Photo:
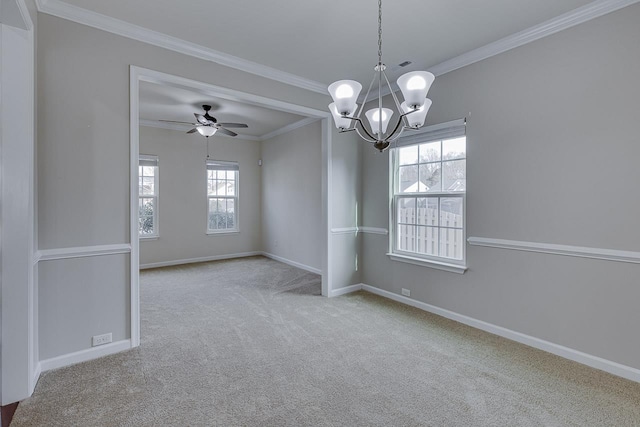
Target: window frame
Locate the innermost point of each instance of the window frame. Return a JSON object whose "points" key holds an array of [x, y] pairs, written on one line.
{"points": [[155, 197], [226, 166], [440, 132]]}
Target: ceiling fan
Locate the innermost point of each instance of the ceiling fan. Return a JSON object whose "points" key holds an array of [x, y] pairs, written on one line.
{"points": [[207, 125]]}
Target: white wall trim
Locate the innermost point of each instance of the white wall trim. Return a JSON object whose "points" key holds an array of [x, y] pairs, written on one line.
{"points": [[549, 248], [345, 230], [293, 263], [614, 368], [570, 19], [346, 290], [84, 355], [288, 128], [373, 230], [195, 260], [81, 252], [116, 26], [35, 377]]}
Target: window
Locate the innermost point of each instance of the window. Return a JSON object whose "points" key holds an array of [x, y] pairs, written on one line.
{"points": [[148, 196], [429, 193], [222, 196]]}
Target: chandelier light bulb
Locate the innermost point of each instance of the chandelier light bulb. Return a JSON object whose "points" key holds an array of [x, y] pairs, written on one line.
{"points": [[416, 119], [416, 83], [341, 123], [344, 91], [374, 116]]}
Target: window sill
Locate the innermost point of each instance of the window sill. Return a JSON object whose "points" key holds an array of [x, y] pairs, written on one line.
{"points": [[454, 268], [214, 233], [156, 237]]}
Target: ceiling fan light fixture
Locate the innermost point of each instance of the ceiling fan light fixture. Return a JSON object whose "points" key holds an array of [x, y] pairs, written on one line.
{"points": [[206, 130]]}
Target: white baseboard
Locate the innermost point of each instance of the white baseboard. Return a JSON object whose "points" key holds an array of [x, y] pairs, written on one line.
{"points": [[194, 260], [84, 355], [293, 263], [345, 290], [614, 368], [34, 379]]}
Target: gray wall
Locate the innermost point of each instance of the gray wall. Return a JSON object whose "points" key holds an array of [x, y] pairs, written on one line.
{"points": [[292, 195], [552, 157], [182, 207], [83, 163]]}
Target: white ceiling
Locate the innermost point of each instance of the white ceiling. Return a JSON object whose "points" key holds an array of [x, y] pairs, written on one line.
{"points": [[158, 102], [333, 39], [323, 41]]}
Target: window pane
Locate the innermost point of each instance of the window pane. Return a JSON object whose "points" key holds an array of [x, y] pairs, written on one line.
{"points": [[427, 211], [211, 174], [221, 174], [222, 187], [430, 177], [409, 155], [211, 187], [407, 210], [230, 213], [409, 179], [430, 152], [427, 243], [148, 186], [140, 191], [406, 238], [451, 212], [231, 188], [145, 216], [451, 243], [455, 175], [148, 171], [454, 148]]}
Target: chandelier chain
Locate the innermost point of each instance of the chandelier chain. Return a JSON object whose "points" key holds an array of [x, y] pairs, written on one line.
{"points": [[380, 32]]}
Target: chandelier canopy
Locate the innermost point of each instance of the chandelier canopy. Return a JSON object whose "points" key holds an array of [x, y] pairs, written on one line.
{"points": [[411, 113]]}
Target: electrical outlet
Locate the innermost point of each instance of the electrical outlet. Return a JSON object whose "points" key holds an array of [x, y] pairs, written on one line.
{"points": [[406, 292], [102, 339]]}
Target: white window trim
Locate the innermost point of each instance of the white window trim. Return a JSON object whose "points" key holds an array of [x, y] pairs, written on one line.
{"points": [[156, 198], [438, 132], [236, 228]]}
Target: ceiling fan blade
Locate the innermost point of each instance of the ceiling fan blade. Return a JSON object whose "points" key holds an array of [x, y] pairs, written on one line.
{"points": [[226, 131], [192, 130], [173, 121], [233, 125], [201, 119]]}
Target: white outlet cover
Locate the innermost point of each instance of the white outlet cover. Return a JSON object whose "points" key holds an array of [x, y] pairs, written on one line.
{"points": [[101, 339], [406, 292]]}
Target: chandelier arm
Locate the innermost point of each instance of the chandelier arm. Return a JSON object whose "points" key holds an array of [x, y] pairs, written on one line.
{"points": [[395, 129], [372, 138], [395, 99], [370, 141], [366, 97]]}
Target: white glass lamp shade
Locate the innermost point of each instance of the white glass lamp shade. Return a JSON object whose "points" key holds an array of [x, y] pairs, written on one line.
{"points": [[416, 119], [414, 86], [345, 94], [341, 122], [374, 119], [206, 130]]}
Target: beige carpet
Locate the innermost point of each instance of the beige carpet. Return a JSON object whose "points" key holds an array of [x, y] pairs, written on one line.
{"points": [[250, 343]]}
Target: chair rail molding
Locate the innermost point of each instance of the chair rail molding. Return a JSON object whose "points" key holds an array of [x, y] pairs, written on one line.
{"points": [[554, 249], [81, 252]]}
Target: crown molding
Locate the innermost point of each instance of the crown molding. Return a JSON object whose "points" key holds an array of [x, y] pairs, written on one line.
{"points": [[102, 22], [289, 128], [83, 16], [183, 128], [570, 19]]}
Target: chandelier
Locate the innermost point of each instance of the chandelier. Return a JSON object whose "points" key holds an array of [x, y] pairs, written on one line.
{"points": [[411, 113]]}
